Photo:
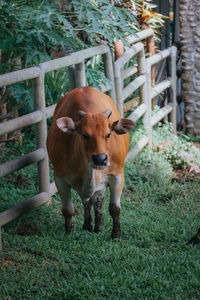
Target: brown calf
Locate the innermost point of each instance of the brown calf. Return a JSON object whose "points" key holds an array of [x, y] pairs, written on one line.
{"points": [[87, 144]]}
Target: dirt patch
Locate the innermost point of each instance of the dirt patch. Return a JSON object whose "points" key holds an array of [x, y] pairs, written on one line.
{"points": [[163, 146], [19, 180], [26, 229], [188, 174], [196, 145]]}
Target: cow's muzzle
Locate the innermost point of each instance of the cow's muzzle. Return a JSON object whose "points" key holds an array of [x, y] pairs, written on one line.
{"points": [[100, 161]]}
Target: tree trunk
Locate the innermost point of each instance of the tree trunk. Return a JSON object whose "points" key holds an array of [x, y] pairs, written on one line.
{"points": [[190, 53]]}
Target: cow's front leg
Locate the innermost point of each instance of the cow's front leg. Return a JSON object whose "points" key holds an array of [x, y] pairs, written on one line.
{"points": [[116, 186], [87, 215], [97, 200], [64, 190]]}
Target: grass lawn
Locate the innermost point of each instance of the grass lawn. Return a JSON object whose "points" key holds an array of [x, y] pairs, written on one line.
{"points": [[159, 215]]}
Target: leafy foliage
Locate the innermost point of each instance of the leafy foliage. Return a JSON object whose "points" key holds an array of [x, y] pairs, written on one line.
{"points": [[31, 30], [180, 153], [36, 31], [100, 20], [95, 75], [22, 92], [56, 85]]}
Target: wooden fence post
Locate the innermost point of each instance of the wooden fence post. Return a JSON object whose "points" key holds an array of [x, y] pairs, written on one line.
{"points": [[147, 118], [108, 68], [144, 94], [80, 79], [41, 131], [173, 84]]}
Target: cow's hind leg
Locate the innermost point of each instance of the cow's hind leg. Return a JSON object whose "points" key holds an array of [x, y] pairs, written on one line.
{"points": [[97, 200], [116, 186], [87, 215], [64, 190]]}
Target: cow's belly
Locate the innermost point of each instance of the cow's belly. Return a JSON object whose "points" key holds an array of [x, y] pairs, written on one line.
{"points": [[85, 188]]}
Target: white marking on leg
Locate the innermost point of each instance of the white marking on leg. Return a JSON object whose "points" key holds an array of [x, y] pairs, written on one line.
{"points": [[88, 188], [64, 190], [115, 189]]}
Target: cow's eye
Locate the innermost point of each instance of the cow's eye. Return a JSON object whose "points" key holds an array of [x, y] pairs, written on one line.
{"points": [[86, 136], [108, 135]]}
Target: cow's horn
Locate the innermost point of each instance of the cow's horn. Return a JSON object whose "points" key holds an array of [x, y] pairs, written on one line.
{"points": [[108, 113], [81, 114]]}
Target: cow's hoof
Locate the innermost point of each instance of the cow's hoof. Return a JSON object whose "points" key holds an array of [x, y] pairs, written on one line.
{"points": [[88, 227], [116, 235], [68, 226]]}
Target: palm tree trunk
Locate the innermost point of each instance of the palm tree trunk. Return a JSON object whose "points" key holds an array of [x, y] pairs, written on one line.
{"points": [[190, 53]]}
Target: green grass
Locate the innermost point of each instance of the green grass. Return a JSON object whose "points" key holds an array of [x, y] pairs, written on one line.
{"points": [[152, 260]]}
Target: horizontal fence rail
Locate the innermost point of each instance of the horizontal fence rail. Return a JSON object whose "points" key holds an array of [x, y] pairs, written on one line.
{"points": [[21, 122], [138, 113], [123, 93], [170, 108], [138, 147], [160, 87], [74, 59], [163, 112], [78, 59], [143, 81], [18, 76], [116, 74], [21, 162], [133, 86], [143, 35]]}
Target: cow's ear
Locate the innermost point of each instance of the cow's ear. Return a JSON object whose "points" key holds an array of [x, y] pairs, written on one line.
{"points": [[67, 125], [123, 126], [107, 113]]}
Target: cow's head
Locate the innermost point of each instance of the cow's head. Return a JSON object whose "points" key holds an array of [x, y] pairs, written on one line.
{"points": [[95, 131]]}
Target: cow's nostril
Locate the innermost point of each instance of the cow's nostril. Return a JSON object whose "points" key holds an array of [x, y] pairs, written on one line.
{"points": [[100, 159]]}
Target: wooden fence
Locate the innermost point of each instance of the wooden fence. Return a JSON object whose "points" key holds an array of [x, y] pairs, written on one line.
{"points": [[119, 93]]}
